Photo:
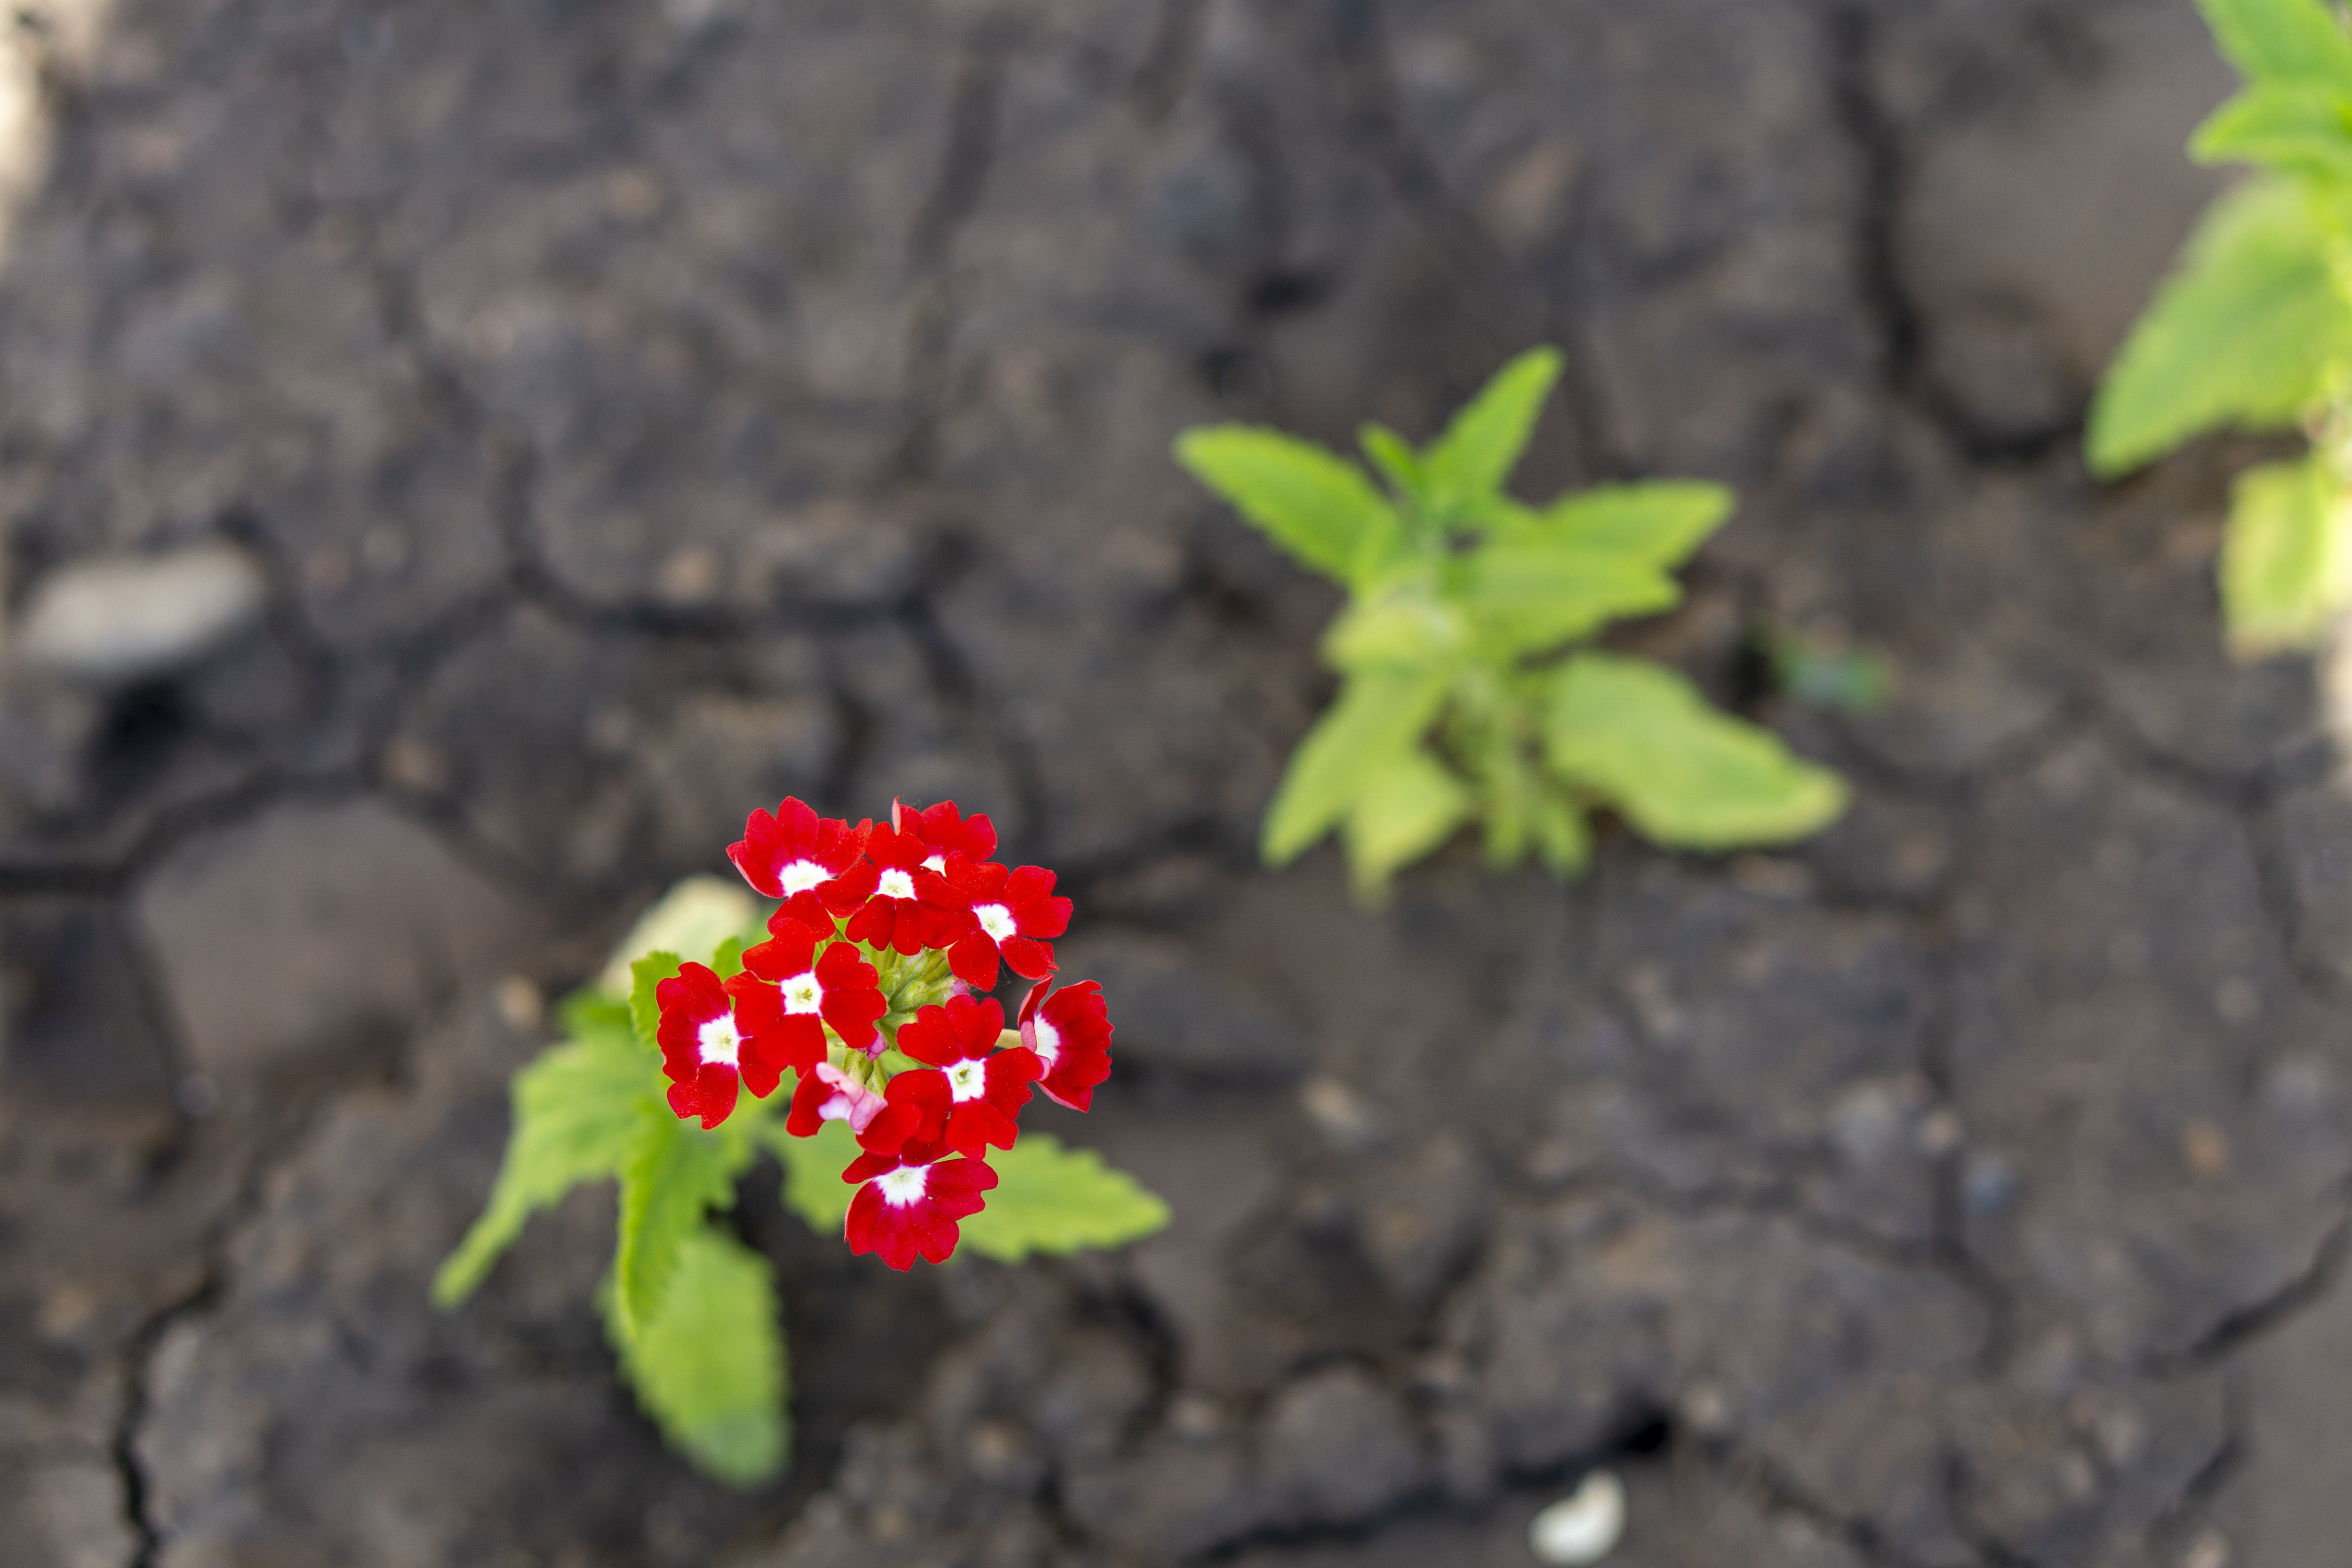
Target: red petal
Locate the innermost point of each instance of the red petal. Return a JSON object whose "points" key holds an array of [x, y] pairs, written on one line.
{"points": [[715, 1093], [1030, 959], [755, 854], [852, 887], [974, 960], [783, 954]]}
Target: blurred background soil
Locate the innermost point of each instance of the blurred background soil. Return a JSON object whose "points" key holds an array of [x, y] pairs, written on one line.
{"points": [[458, 457]]}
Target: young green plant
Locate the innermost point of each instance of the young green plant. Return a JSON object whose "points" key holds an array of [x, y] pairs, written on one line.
{"points": [[907, 1086], [2253, 328], [1469, 692]]}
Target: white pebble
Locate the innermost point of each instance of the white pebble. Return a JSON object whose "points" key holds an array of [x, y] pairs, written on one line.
{"points": [[1583, 1526], [109, 622]]}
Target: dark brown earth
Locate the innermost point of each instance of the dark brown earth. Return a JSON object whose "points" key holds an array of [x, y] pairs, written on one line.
{"points": [[644, 410]]}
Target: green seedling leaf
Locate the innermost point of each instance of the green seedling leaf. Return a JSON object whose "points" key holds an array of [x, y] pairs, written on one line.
{"points": [[673, 1173], [2289, 128], [1656, 522], [644, 1005], [709, 1366], [1644, 739], [1054, 1200], [2245, 332], [1410, 628], [575, 1109], [1320, 507], [2286, 559], [1483, 443], [2282, 40], [1525, 594], [692, 918], [813, 1186], [1395, 458], [1381, 715], [1403, 810], [1563, 836]]}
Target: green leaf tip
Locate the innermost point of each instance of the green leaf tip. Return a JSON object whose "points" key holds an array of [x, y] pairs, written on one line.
{"points": [[1051, 1199], [1321, 508], [1482, 444], [708, 1366], [2286, 557]]}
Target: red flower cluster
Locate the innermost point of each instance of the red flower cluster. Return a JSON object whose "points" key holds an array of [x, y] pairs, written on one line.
{"points": [[882, 936]]}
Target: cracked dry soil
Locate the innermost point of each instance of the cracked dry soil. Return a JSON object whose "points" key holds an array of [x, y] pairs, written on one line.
{"points": [[645, 410]]}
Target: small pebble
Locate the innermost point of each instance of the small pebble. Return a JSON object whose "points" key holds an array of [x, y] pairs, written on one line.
{"points": [[111, 621], [1583, 1526]]}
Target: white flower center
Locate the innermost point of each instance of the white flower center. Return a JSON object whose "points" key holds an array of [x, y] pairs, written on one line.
{"points": [[967, 1079], [801, 876], [995, 920], [935, 863], [904, 1185], [719, 1040], [802, 993], [1049, 1042], [896, 884]]}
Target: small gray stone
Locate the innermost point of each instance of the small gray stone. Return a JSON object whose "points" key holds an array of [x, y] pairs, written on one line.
{"points": [[115, 620]]}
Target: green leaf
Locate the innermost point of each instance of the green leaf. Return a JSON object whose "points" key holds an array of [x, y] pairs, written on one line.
{"points": [[1685, 774], [576, 1110], [2280, 40], [2290, 128], [813, 1186], [1657, 522], [1393, 455], [1320, 507], [1563, 838], [1527, 594], [591, 1012], [1403, 810], [1053, 1199], [1409, 628], [2248, 330], [673, 1173], [644, 1004], [2286, 560], [709, 1367], [1483, 444], [1380, 713], [692, 918]]}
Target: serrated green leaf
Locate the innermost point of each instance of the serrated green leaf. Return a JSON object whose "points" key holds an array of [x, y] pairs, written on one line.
{"points": [[1393, 455], [813, 1186], [1402, 810], [1643, 739], [1051, 1199], [709, 1366], [1483, 442], [644, 1004], [1527, 594], [576, 1109], [2280, 40], [1657, 522], [1380, 714], [1318, 507], [2247, 331], [692, 918], [2286, 559], [2297, 129], [673, 1173]]}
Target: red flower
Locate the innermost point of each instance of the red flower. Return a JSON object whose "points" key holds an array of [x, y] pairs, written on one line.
{"points": [[702, 1047], [910, 1202], [1009, 911], [784, 999], [787, 856], [884, 906], [945, 831], [1070, 1033], [983, 1088]]}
